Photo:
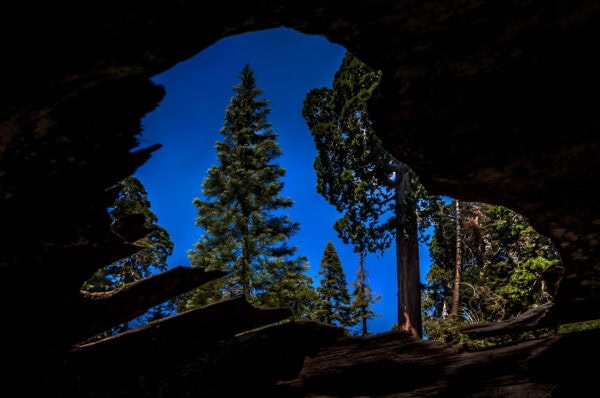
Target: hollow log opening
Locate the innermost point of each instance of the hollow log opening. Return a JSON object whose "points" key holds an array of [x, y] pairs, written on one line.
{"points": [[487, 101]]}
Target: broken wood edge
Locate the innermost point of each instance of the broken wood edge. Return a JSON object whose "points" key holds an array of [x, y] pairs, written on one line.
{"points": [[212, 322], [100, 311], [548, 315]]}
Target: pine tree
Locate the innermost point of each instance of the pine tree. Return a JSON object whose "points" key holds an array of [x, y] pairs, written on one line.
{"points": [[244, 231], [293, 289], [363, 299], [132, 201], [377, 195], [333, 299]]}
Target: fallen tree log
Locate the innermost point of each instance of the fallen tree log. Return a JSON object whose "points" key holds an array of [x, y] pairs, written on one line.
{"points": [[197, 350], [99, 312], [396, 364]]}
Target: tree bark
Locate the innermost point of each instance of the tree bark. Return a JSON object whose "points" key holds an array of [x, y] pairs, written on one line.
{"points": [[458, 266], [361, 280], [395, 364], [407, 259], [97, 312], [245, 266]]}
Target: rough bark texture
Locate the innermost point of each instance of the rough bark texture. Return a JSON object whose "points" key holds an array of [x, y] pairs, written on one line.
{"points": [[397, 364], [408, 273], [458, 265], [457, 75]]}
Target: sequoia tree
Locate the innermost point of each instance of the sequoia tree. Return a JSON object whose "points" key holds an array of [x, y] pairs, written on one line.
{"points": [[376, 194], [243, 229]]}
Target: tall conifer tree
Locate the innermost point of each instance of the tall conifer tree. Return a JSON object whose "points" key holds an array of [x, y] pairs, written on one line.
{"points": [[294, 290], [333, 299], [363, 299], [244, 231]]}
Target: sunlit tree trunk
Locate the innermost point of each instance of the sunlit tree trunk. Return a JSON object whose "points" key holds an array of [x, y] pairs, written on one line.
{"points": [[458, 265], [407, 259]]}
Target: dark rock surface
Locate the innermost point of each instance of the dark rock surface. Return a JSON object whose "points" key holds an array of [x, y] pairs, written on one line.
{"points": [[487, 101]]}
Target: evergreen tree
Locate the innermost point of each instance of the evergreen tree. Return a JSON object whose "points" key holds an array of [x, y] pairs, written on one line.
{"points": [[502, 258], [377, 195], [294, 290], [363, 299], [132, 200], [244, 231], [440, 278], [333, 299], [519, 255]]}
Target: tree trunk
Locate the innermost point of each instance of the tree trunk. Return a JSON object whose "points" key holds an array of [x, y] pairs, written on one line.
{"points": [[361, 280], [245, 271], [458, 266], [407, 259]]}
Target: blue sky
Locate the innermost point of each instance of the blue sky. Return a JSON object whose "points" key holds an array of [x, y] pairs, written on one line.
{"points": [[287, 64]]}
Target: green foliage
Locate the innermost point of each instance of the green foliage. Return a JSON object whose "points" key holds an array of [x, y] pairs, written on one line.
{"points": [[503, 258], [354, 172], [578, 326], [243, 229], [292, 289], [363, 300], [377, 195], [333, 304], [206, 294], [522, 287], [448, 330], [132, 199], [439, 279], [445, 330]]}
